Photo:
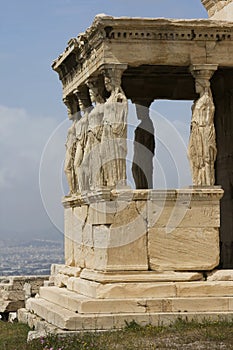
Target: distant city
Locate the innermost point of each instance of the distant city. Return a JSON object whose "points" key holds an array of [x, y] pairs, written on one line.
{"points": [[30, 257]]}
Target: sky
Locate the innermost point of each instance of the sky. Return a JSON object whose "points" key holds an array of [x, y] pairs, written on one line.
{"points": [[33, 119]]}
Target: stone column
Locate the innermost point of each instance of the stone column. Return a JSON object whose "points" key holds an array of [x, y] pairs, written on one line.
{"points": [[113, 141], [202, 148], [144, 146]]}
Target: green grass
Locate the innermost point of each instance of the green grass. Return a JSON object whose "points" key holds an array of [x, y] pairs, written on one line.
{"points": [[180, 335], [13, 336]]}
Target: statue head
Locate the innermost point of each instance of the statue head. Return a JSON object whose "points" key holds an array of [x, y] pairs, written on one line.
{"points": [[84, 104], [96, 90], [202, 85], [83, 97], [108, 84], [112, 79], [72, 105]]}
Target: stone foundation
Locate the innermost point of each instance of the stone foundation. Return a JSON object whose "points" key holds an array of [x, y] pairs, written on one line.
{"points": [[170, 230], [142, 255], [159, 301]]}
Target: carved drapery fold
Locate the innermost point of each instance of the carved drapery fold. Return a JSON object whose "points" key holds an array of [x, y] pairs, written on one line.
{"points": [[73, 111], [99, 132], [80, 164], [202, 150], [113, 141], [92, 152]]}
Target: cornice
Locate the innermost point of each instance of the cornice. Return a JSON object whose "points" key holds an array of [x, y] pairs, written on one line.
{"points": [[107, 31]]}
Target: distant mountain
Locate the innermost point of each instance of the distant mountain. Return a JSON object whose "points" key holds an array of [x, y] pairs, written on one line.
{"points": [[17, 237], [40, 243]]}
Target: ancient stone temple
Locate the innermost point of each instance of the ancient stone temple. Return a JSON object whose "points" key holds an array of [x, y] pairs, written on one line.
{"points": [[145, 254]]}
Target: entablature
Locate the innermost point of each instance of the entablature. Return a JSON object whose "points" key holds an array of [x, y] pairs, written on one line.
{"points": [[143, 41]]}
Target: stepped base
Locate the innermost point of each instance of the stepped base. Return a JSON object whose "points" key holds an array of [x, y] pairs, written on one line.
{"points": [[136, 255], [79, 304], [59, 321], [160, 303]]}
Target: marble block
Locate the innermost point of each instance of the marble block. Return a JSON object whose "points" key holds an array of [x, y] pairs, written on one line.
{"points": [[158, 230]]}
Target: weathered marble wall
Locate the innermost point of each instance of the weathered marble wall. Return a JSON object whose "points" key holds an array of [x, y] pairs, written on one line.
{"points": [[141, 230]]}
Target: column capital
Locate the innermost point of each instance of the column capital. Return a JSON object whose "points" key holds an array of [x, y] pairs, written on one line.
{"points": [[114, 66], [113, 70], [83, 97], [203, 71]]}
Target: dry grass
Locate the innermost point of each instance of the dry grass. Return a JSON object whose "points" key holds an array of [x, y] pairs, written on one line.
{"points": [[181, 335]]}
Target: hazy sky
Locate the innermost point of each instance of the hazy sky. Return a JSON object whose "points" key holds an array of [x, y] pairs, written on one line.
{"points": [[32, 34]]}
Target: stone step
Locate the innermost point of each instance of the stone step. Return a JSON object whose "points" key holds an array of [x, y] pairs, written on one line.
{"points": [[54, 314], [129, 290], [81, 304], [67, 320], [119, 290], [140, 276], [84, 305]]}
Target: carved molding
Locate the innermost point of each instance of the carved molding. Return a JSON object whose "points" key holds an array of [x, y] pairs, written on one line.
{"points": [[170, 35], [86, 52], [205, 194]]}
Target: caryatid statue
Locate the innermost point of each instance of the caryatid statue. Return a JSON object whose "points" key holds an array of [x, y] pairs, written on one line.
{"points": [[113, 142], [73, 111], [80, 167], [92, 152], [202, 150]]}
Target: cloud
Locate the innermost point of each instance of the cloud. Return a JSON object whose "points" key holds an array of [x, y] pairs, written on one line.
{"points": [[4, 178], [22, 139]]}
